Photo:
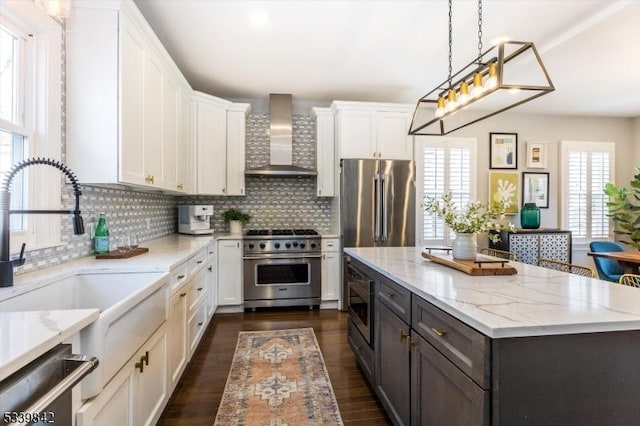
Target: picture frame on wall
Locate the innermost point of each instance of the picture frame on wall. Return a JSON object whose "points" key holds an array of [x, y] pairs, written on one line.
{"points": [[537, 155], [535, 188], [505, 186], [503, 150]]}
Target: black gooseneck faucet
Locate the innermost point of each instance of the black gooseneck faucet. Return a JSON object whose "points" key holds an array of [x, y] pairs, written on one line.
{"points": [[6, 263]]}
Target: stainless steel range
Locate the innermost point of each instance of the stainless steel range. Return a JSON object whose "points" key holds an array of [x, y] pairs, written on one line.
{"points": [[281, 268]]}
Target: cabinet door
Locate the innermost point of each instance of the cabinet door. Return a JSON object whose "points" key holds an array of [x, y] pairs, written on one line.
{"points": [[356, 134], [330, 275], [211, 139], [229, 272], [212, 282], [171, 109], [176, 337], [235, 152], [556, 246], [183, 143], [152, 383], [392, 130], [115, 405], [441, 394], [392, 359], [152, 120], [132, 63], [525, 246]]}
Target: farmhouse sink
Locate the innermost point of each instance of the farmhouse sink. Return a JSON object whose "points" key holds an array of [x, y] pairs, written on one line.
{"points": [[132, 306]]}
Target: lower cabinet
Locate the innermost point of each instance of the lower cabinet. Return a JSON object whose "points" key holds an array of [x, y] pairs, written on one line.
{"points": [[136, 395], [393, 364], [330, 276], [442, 394], [229, 272], [176, 337], [212, 280]]}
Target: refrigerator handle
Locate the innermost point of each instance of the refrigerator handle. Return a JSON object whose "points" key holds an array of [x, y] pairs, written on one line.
{"points": [[377, 234], [383, 204]]}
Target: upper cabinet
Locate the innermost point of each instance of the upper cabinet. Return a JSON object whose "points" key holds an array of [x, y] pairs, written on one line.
{"points": [[325, 152], [127, 102], [373, 130], [219, 145]]}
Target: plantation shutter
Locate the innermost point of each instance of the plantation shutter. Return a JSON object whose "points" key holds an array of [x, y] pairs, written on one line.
{"points": [[587, 168], [446, 166]]}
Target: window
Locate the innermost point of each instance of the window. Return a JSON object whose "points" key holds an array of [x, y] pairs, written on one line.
{"points": [[586, 167], [443, 165], [31, 117]]}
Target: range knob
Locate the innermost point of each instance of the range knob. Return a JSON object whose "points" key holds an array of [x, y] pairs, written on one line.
{"points": [[288, 245], [295, 244], [251, 246], [262, 245], [302, 245], [313, 245], [277, 245]]}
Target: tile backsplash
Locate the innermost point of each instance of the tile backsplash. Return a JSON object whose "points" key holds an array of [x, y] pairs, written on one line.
{"points": [[272, 202]]}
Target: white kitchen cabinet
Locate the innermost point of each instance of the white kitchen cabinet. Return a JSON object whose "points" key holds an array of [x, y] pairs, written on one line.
{"points": [[229, 272], [137, 394], [373, 130], [212, 281], [325, 153], [219, 144], [331, 272], [176, 337], [121, 88]]}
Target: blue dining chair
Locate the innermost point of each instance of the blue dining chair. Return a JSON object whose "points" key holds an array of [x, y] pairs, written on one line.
{"points": [[608, 269]]}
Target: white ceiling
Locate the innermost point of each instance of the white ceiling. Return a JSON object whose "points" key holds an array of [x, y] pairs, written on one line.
{"points": [[396, 51]]}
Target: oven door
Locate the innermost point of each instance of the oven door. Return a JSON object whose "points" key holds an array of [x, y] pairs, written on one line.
{"points": [[360, 295], [282, 277]]}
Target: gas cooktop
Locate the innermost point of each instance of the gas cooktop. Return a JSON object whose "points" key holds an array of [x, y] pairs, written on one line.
{"points": [[279, 232]]}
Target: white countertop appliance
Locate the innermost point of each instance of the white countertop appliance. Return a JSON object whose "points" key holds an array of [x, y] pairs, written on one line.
{"points": [[195, 219]]}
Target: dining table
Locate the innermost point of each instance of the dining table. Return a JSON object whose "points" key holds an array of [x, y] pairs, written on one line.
{"points": [[628, 260]]}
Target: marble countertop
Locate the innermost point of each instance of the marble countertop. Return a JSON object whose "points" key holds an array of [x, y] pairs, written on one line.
{"points": [[534, 302], [27, 335]]}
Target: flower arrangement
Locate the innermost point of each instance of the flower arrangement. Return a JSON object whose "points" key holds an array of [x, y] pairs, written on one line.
{"points": [[477, 218]]}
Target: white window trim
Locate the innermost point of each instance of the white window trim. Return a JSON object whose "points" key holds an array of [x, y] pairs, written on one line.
{"points": [[46, 116], [419, 141], [565, 147]]}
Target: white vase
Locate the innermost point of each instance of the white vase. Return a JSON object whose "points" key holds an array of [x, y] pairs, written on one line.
{"points": [[235, 227], [464, 246]]}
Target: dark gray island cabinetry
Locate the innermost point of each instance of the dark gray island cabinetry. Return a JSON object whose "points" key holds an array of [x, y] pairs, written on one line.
{"points": [[449, 350]]}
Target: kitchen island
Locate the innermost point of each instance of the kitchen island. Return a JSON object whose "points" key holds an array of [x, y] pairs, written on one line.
{"points": [[538, 347]]}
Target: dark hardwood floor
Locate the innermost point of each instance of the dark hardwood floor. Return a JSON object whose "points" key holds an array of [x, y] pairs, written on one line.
{"points": [[196, 398]]}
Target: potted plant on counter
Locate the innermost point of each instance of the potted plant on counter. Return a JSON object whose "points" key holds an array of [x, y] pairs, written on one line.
{"points": [[236, 219], [476, 218]]}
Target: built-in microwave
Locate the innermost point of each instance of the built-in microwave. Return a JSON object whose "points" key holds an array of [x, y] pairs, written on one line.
{"points": [[360, 298]]}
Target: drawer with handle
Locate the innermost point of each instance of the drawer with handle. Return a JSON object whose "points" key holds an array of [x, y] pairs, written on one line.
{"points": [[464, 346], [397, 298]]}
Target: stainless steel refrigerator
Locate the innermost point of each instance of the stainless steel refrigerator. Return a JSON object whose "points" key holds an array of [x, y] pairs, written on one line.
{"points": [[377, 205]]}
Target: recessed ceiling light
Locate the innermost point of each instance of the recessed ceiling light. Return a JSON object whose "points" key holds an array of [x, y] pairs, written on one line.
{"points": [[258, 17]]}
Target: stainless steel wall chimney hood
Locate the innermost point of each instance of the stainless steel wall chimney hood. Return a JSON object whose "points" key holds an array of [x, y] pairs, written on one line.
{"points": [[281, 143]]}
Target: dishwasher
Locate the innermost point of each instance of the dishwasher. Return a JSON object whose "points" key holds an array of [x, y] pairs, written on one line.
{"points": [[40, 392]]}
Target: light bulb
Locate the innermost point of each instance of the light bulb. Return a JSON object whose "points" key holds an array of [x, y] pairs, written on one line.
{"points": [[492, 81], [477, 88], [440, 110], [464, 97], [451, 101]]}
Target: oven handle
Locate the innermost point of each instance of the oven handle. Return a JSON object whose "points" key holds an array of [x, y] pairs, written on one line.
{"points": [[293, 256]]}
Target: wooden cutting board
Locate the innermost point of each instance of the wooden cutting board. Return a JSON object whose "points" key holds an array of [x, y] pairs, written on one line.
{"points": [[115, 254], [483, 265]]}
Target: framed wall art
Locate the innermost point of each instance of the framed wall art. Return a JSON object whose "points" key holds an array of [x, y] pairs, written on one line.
{"points": [[503, 150], [537, 155], [505, 186], [535, 189]]}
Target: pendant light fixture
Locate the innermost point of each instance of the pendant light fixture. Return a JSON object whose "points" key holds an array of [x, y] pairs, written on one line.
{"points": [[500, 78]]}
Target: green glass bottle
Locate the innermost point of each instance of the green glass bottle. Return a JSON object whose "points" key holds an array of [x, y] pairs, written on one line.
{"points": [[530, 216], [102, 236]]}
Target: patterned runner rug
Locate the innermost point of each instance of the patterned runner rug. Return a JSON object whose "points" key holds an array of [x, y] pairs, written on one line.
{"points": [[278, 378]]}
